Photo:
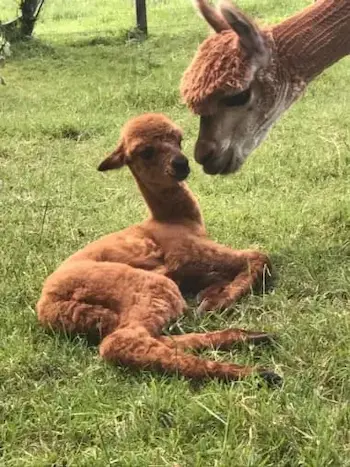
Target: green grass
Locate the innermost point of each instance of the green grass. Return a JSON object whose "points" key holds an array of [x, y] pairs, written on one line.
{"points": [[68, 93]]}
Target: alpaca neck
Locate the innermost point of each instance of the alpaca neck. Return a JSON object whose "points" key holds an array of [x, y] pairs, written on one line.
{"points": [[315, 38], [175, 204]]}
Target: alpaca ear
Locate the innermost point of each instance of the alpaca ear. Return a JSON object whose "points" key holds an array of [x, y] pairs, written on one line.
{"points": [[115, 160], [249, 34], [211, 16]]}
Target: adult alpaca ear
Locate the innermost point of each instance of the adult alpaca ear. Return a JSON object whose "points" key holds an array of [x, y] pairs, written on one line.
{"points": [[211, 16], [249, 34], [115, 160]]}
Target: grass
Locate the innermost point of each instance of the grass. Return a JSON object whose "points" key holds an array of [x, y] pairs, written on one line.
{"points": [[67, 94]]}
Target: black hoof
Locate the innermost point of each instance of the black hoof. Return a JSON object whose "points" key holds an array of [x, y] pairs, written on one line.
{"points": [[263, 338], [271, 379]]}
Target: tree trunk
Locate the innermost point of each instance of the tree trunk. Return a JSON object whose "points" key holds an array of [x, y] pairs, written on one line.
{"points": [[28, 8]]}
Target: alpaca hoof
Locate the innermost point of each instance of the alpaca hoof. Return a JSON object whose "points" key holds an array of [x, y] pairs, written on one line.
{"points": [[213, 297], [262, 338], [213, 303], [271, 379], [203, 307]]}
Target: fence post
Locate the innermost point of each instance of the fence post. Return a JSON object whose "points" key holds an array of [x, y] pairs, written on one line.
{"points": [[141, 15]]}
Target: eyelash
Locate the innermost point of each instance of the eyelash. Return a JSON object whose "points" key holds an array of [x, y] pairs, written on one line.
{"points": [[238, 100]]}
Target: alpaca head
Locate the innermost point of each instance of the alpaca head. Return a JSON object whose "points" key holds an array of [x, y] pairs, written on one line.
{"points": [[233, 85], [150, 145]]}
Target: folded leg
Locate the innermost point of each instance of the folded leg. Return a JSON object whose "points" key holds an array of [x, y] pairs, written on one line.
{"points": [[93, 299], [229, 274]]}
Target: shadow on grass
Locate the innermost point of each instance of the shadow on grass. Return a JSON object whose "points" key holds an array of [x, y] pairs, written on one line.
{"points": [[75, 43], [69, 132], [315, 271], [127, 36], [33, 48]]}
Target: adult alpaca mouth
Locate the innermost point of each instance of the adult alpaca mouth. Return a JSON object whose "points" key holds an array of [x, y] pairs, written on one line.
{"points": [[232, 166], [227, 168], [213, 166], [222, 166]]}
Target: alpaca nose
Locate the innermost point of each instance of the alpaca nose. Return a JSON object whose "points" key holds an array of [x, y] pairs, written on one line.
{"points": [[180, 164], [204, 151]]}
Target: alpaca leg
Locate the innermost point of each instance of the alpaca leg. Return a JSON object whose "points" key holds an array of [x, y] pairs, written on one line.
{"points": [[94, 298], [136, 347], [229, 274], [77, 317], [223, 295], [218, 339]]}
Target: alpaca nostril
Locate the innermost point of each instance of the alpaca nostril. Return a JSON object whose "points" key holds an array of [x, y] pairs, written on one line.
{"points": [[180, 163], [204, 151]]}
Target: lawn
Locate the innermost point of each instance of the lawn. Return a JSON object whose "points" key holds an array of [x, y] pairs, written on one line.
{"points": [[68, 93]]}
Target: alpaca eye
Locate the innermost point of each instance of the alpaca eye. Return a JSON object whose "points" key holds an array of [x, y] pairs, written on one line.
{"points": [[147, 153], [238, 99]]}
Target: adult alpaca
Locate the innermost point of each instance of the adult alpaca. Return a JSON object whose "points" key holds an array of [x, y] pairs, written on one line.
{"points": [[123, 287], [243, 78]]}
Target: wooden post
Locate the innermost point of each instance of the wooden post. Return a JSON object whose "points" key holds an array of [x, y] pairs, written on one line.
{"points": [[141, 15]]}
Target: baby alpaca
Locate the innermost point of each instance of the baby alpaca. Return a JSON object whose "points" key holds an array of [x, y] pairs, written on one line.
{"points": [[125, 287]]}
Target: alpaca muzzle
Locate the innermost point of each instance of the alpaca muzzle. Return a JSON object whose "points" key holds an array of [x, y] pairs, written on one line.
{"points": [[180, 167]]}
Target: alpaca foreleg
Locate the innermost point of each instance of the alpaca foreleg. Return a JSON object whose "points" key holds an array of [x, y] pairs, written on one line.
{"points": [[137, 348], [223, 295], [234, 273]]}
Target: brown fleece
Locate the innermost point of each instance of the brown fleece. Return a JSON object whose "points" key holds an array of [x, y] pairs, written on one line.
{"points": [[124, 288], [218, 66], [300, 48]]}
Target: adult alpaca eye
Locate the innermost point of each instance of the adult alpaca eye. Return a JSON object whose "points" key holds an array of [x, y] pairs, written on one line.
{"points": [[147, 153], [237, 100]]}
